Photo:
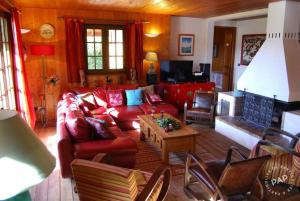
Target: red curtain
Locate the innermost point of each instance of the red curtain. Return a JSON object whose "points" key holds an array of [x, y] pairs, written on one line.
{"points": [[23, 98], [134, 57], [74, 48], [139, 54]]}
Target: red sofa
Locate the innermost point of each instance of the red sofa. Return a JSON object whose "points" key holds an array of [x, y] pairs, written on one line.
{"points": [[123, 148]]}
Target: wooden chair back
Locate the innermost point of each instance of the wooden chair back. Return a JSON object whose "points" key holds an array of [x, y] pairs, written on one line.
{"points": [[238, 177], [203, 99]]}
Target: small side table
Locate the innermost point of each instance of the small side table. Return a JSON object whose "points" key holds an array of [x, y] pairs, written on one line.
{"points": [[230, 104]]}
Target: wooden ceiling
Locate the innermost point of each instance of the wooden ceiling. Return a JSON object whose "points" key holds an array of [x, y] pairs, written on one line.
{"points": [[196, 8]]}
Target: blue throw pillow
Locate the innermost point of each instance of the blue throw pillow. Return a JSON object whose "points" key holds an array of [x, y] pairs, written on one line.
{"points": [[134, 97]]}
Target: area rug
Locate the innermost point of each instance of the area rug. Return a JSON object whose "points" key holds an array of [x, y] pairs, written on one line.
{"points": [[148, 157]]}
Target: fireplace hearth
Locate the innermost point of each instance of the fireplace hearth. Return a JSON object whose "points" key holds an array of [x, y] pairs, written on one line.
{"points": [[263, 112]]}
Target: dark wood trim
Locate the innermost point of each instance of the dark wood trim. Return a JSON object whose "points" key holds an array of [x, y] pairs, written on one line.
{"points": [[105, 50]]}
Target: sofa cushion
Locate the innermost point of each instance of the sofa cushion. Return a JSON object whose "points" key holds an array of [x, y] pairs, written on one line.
{"points": [[125, 113], [100, 97], [78, 127], [87, 150], [99, 110], [148, 89], [153, 99], [99, 128], [165, 107], [108, 119], [115, 98], [134, 97], [87, 100]]}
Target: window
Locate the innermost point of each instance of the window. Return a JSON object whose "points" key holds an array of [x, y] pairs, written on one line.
{"points": [[105, 48], [7, 93]]}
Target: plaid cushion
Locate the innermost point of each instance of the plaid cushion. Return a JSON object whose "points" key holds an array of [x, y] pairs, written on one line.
{"points": [[99, 181], [281, 164]]}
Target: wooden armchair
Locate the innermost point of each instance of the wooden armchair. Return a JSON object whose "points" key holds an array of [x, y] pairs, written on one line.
{"points": [[99, 181], [281, 137], [203, 107], [223, 179]]}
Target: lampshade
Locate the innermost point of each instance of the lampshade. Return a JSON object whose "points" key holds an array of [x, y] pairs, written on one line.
{"points": [[151, 56], [42, 50], [24, 159]]}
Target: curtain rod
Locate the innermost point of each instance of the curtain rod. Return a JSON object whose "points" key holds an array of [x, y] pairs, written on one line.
{"points": [[104, 20]]}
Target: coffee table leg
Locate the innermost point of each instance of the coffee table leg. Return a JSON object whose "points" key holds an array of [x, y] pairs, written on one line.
{"points": [[165, 157], [142, 136]]}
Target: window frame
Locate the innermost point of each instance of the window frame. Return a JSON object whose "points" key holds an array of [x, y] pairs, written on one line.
{"points": [[105, 48], [8, 16]]}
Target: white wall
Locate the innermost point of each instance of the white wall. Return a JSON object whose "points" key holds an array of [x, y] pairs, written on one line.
{"points": [[255, 26], [188, 25]]}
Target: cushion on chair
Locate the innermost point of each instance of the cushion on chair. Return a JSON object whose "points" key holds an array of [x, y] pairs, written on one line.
{"points": [[134, 97], [105, 182], [110, 182], [280, 164], [297, 159]]}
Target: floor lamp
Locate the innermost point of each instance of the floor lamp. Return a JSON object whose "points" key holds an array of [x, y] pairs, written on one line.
{"points": [[24, 160], [43, 51]]}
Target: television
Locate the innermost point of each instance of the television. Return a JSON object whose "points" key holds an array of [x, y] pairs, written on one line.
{"points": [[176, 71]]}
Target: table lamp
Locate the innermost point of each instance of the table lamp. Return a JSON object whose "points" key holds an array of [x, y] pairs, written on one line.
{"points": [[43, 50], [24, 159], [152, 57]]}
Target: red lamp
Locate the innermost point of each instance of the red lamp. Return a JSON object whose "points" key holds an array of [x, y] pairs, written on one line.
{"points": [[43, 50]]}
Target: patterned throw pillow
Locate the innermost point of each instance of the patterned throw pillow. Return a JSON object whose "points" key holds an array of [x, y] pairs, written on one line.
{"points": [[87, 100], [100, 97], [115, 98], [99, 128], [153, 99]]}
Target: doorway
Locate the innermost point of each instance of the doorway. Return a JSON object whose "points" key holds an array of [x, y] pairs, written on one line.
{"points": [[223, 56]]}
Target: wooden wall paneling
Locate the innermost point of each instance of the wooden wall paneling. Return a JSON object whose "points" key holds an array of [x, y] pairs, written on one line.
{"points": [[33, 18]]}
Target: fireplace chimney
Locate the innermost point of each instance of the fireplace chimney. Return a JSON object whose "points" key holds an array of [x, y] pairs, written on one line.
{"points": [[275, 69]]}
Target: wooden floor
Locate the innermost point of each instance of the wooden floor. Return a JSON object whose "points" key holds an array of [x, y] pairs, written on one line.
{"points": [[54, 188]]}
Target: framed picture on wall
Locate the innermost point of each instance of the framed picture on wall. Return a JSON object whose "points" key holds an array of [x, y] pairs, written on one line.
{"points": [[250, 46], [186, 44]]}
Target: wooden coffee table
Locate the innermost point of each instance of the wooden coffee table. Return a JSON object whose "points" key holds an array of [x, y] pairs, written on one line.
{"points": [[182, 139]]}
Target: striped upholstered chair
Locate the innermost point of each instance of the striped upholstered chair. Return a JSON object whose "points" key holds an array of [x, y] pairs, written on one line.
{"points": [[99, 181]]}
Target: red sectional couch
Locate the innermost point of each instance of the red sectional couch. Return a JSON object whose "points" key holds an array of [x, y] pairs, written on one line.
{"points": [[119, 118]]}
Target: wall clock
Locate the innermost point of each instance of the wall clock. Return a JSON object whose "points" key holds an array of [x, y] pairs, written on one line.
{"points": [[47, 31]]}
